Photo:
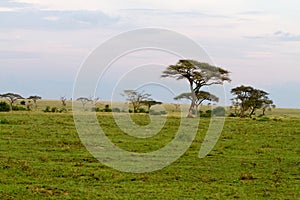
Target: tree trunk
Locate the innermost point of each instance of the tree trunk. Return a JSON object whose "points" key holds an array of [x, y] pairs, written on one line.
{"points": [[190, 114], [242, 114], [193, 103], [263, 111], [251, 113]]}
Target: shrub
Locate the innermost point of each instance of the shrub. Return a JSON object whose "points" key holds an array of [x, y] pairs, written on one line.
{"points": [[53, 109], [4, 121], [219, 111], [206, 114], [232, 115], [4, 107], [116, 110], [63, 110], [107, 109], [142, 110], [47, 109], [23, 103], [18, 108]]}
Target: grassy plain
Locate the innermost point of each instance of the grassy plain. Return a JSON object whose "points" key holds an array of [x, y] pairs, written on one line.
{"points": [[42, 157]]}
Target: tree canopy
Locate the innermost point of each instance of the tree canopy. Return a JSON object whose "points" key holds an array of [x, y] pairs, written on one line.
{"points": [[137, 99], [249, 98]]}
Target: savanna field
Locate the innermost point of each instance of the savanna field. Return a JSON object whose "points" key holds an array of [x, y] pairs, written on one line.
{"points": [[42, 157]]}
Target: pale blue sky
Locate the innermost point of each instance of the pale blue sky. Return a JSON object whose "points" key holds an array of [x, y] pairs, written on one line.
{"points": [[44, 42]]}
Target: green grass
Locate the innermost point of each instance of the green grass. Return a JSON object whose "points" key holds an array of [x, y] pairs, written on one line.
{"points": [[42, 157]]}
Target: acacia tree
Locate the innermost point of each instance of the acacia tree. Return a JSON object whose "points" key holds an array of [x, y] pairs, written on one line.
{"points": [[34, 99], [11, 97], [84, 101], [150, 103], [197, 74], [201, 97], [249, 98], [136, 98]]}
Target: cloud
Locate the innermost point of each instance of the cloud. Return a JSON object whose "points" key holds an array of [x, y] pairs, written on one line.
{"points": [[286, 36], [57, 20], [278, 35]]}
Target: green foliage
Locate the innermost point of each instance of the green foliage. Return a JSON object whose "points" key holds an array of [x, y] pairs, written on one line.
{"points": [[232, 115], [207, 113], [219, 111], [18, 108], [107, 108], [4, 121], [54, 109], [247, 98], [4, 107], [47, 109]]}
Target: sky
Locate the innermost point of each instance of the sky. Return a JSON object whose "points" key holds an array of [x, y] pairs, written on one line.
{"points": [[43, 43]]}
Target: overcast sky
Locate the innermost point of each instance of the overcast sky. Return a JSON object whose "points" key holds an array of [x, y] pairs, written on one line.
{"points": [[44, 42]]}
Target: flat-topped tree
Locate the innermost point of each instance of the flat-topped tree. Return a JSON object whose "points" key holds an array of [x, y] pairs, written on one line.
{"points": [[198, 74], [11, 97], [34, 99], [201, 97], [84, 101], [150, 103]]}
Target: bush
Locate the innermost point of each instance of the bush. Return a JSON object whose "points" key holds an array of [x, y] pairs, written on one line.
{"points": [[63, 110], [18, 108], [53, 109], [116, 110], [4, 121], [47, 109], [4, 107], [219, 111], [107, 109], [206, 114], [23, 103], [142, 110], [232, 115]]}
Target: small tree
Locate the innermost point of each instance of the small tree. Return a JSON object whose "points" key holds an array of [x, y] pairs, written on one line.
{"points": [[63, 100], [249, 98], [136, 98], [150, 103], [197, 74], [201, 97], [34, 99], [84, 101], [11, 97]]}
